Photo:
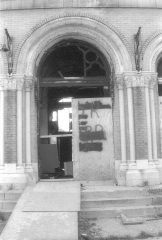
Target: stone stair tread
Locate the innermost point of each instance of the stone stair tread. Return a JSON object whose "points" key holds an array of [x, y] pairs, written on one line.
{"points": [[117, 208], [14, 191], [106, 183], [118, 199], [6, 210], [117, 188]]}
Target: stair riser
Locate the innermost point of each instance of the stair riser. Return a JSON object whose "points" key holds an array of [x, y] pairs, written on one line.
{"points": [[99, 183], [141, 212], [12, 196], [114, 194], [8, 205], [116, 203], [4, 216]]}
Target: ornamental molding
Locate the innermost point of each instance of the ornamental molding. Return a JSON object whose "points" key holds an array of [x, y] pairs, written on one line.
{"points": [[8, 83], [11, 83], [140, 80], [66, 19], [119, 80], [28, 83], [20, 84]]}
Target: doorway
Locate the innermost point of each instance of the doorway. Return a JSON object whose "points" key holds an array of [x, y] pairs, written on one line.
{"points": [[71, 70]]}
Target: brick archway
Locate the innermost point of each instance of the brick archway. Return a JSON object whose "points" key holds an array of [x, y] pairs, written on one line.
{"points": [[152, 51], [77, 27]]}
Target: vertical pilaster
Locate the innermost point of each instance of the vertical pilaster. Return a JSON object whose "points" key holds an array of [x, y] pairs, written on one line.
{"points": [[148, 118], [153, 119], [2, 78], [151, 175], [120, 85], [20, 85], [128, 82], [28, 87], [133, 175]]}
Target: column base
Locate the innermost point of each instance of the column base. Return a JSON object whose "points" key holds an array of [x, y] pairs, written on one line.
{"points": [[158, 164], [151, 165], [151, 176], [29, 168], [121, 177], [133, 178], [2, 167], [13, 181], [20, 169]]}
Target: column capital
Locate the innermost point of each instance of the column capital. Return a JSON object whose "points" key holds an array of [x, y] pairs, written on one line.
{"points": [[119, 80], [19, 78], [29, 81], [7, 83], [13, 82], [140, 79]]}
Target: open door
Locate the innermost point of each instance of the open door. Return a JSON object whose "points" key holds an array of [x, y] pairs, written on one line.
{"points": [[93, 150]]}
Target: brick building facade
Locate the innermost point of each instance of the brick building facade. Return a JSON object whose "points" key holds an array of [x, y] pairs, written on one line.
{"points": [[133, 56]]}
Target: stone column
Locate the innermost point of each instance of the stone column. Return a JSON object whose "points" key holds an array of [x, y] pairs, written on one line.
{"points": [[120, 85], [12, 175], [128, 82], [133, 175], [20, 85], [28, 87], [153, 82], [148, 117], [121, 172], [151, 175], [2, 79]]}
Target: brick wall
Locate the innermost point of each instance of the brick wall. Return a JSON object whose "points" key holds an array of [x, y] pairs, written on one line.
{"points": [[10, 126], [140, 123], [127, 21]]}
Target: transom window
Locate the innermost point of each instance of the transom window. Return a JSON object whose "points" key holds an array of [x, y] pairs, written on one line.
{"points": [[73, 60]]}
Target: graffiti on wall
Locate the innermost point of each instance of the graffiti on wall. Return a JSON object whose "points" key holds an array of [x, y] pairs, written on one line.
{"points": [[91, 137]]}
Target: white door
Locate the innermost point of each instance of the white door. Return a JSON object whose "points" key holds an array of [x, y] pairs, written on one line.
{"points": [[93, 149]]}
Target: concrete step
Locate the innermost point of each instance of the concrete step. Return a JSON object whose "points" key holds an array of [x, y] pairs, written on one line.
{"points": [[8, 205], [103, 193], [8, 201], [116, 202], [5, 215], [99, 183], [13, 194], [92, 192], [113, 212], [10, 195]]}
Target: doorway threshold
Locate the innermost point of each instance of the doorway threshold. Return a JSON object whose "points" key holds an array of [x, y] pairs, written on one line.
{"points": [[56, 180]]}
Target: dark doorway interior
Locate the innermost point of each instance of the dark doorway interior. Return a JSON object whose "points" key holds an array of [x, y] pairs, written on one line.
{"points": [[59, 99], [70, 69]]}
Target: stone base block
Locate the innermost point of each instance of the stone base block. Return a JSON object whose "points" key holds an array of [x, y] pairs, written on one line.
{"points": [[31, 178], [134, 178], [13, 181], [121, 177], [160, 173], [152, 176], [29, 169]]}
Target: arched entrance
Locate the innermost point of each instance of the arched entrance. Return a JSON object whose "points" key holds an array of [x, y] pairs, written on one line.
{"points": [[69, 71], [42, 40]]}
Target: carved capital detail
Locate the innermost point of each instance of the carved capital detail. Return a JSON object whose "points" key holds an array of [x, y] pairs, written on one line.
{"points": [[20, 83], [153, 81], [119, 80], [28, 84], [8, 83], [140, 80]]}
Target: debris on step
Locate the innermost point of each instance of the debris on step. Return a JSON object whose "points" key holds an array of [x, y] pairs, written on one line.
{"points": [[131, 221], [84, 235]]}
